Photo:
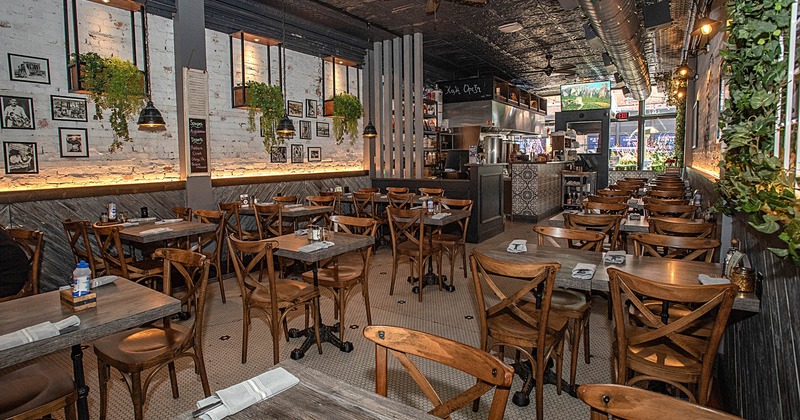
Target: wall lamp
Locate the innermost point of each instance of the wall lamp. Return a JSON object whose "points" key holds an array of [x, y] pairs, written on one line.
{"points": [[705, 26], [684, 71]]}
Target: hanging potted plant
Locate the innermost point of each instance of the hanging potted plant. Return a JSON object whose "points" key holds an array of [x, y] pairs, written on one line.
{"points": [[269, 100], [346, 112], [116, 85]]}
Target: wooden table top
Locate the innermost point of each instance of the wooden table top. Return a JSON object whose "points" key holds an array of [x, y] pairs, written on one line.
{"points": [[300, 211], [288, 246], [454, 216], [319, 396], [178, 230], [657, 269], [381, 198], [120, 305]]}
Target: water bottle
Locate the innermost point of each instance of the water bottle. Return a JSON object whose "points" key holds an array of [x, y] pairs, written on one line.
{"points": [[112, 212], [81, 279], [729, 257], [430, 206]]}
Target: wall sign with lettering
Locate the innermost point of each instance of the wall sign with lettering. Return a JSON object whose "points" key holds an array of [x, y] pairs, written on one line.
{"points": [[466, 90], [198, 146]]}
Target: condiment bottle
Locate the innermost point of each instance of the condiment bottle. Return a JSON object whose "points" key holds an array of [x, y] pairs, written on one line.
{"points": [[81, 279], [726, 265], [112, 212]]}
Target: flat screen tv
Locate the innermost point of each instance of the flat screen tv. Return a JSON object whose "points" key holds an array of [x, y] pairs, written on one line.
{"points": [[585, 96]]}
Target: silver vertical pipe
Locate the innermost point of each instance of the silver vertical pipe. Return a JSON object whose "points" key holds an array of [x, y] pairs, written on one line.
{"points": [[408, 107], [386, 132], [418, 78], [377, 109], [397, 71]]}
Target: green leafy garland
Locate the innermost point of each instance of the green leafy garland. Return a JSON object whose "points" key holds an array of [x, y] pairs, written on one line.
{"points": [[268, 99], [346, 112], [753, 180]]}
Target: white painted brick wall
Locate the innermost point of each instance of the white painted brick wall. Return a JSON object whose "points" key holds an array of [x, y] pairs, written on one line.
{"points": [[36, 28]]}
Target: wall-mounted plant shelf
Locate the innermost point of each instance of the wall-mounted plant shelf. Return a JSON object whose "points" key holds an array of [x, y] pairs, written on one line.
{"points": [[327, 108], [239, 90]]}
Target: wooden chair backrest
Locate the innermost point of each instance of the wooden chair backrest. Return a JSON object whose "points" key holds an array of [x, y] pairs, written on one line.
{"points": [[628, 185], [397, 190], [401, 342], [431, 192], [629, 403], [233, 224], [608, 224], [613, 193], [670, 210], [285, 199], [79, 243], [250, 258], [672, 170], [204, 240], [627, 189], [193, 268], [679, 227], [574, 238], [670, 201], [674, 247], [364, 204], [184, 213], [111, 249], [369, 190], [337, 203], [606, 208], [400, 200], [661, 331], [319, 200], [269, 220], [666, 193], [454, 203], [641, 181], [357, 226], [32, 243], [412, 228], [618, 199]]}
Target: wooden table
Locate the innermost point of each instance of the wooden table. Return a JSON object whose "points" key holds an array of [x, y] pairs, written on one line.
{"points": [[626, 225], [288, 247], [120, 305], [657, 269], [178, 230], [319, 396]]}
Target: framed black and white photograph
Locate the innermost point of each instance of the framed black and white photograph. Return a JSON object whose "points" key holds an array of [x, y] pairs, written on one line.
{"points": [[17, 112], [74, 142], [64, 108], [305, 130], [295, 108], [311, 108], [323, 129], [20, 157], [29, 69], [314, 154], [278, 154], [297, 153]]}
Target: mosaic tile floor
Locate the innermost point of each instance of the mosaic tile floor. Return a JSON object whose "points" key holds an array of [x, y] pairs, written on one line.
{"points": [[447, 314]]}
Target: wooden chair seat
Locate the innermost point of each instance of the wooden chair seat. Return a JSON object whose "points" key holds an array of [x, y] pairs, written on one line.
{"points": [[35, 391], [410, 248], [569, 300], [288, 292], [510, 329], [664, 360], [447, 238], [141, 347], [338, 276]]}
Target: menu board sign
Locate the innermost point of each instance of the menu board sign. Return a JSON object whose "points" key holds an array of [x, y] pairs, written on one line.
{"points": [[466, 90], [198, 146]]}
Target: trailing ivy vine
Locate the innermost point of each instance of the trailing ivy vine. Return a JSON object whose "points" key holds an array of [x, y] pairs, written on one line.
{"points": [[753, 180], [346, 112]]}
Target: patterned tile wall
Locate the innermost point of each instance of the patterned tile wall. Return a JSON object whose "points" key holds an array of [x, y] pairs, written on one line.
{"points": [[535, 189]]}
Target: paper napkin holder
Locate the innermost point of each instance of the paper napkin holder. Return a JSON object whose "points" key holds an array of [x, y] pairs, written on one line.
{"points": [[78, 303]]}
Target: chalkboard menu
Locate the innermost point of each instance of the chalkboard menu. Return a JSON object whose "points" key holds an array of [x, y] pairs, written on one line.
{"points": [[198, 146], [466, 90]]}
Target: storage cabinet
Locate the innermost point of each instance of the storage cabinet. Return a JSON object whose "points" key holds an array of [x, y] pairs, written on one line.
{"points": [[576, 186]]}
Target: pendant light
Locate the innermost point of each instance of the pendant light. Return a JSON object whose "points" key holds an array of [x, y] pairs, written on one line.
{"points": [[285, 125], [369, 130], [705, 26], [684, 70], [150, 116]]}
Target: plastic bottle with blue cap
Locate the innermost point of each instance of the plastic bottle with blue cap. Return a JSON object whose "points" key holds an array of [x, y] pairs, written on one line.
{"points": [[81, 279]]}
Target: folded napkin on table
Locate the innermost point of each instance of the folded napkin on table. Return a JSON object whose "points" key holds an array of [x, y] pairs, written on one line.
{"points": [[142, 219], [615, 257], [438, 216], [316, 246], [153, 231], [37, 332], [102, 281], [166, 221], [242, 395], [583, 271], [129, 224], [706, 280], [518, 246]]}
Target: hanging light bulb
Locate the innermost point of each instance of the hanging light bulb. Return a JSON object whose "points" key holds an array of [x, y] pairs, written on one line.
{"points": [[684, 70], [370, 131], [285, 126], [680, 94], [150, 116], [705, 26]]}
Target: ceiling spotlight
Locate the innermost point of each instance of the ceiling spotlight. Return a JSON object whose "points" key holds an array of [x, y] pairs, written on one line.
{"points": [[705, 26], [256, 39], [510, 28]]}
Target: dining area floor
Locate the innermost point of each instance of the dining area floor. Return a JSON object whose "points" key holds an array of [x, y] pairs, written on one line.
{"points": [[448, 314]]}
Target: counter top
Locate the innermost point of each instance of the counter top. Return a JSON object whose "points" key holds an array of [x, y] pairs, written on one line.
{"points": [[542, 163]]}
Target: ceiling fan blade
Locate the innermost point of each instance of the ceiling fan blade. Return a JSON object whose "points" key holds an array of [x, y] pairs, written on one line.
{"points": [[432, 6], [563, 72]]}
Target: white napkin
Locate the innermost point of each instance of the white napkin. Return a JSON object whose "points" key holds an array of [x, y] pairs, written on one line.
{"points": [[142, 219], [242, 395], [583, 271], [706, 280], [316, 246], [438, 216], [102, 281], [518, 246], [301, 232], [37, 332], [154, 231], [615, 257], [130, 223], [167, 221]]}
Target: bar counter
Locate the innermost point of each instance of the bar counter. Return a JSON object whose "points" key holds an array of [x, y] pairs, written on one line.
{"points": [[536, 189]]}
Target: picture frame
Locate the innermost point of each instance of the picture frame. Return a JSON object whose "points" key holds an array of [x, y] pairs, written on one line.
{"points": [[297, 153], [20, 157], [278, 154], [315, 154], [305, 130], [323, 129], [311, 108], [23, 68], [73, 142], [67, 108], [17, 113], [295, 108]]}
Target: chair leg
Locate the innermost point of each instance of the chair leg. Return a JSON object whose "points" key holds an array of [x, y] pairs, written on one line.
{"points": [[137, 395], [365, 293], [394, 274], [317, 318], [200, 367], [463, 259], [102, 374], [173, 379], [586, 354], [274, 325], [245, 329], [285, 326], [420, 271], [219, 280], [540, 365], [341, 297], [69, 411], [575, 338]]}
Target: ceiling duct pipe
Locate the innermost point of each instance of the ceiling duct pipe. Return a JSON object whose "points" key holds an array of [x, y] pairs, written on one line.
{"points": [[617, 24]]}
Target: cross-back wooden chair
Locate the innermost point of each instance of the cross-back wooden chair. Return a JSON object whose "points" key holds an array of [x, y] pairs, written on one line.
{"points": [[662, 349], [32, 243], [134, 351], [275, 297], [629, 403], [613, 193], [454, 244], [575, 306], [668, 210], [680, 227], [337, 203], [323, 219], [674, 247], [343, 274], [397, 190], [36, 391], [369, 190], [81, 246], [431, 192], [409, 241], [233, 222], [184, 213], [364, 206], [614, 199], [516, 322], [662, 192], [148, 271], [206, 241], [608, 224], [285, 199], [400, 200], [606, 208], [489, 371], [669, 201], [269, 220]]}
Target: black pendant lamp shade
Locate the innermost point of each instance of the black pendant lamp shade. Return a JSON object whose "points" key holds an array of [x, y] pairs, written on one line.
{"points": [[151, 116], [285, 126], [370, 131]]}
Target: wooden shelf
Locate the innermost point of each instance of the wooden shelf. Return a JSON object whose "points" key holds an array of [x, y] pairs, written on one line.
{"points": [[340, 61], [129, 5], [258, 39]]}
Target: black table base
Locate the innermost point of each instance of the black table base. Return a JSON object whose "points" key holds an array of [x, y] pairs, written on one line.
{"points": [[431, 279], [80, 382], [326, 335], [524, 369]]}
